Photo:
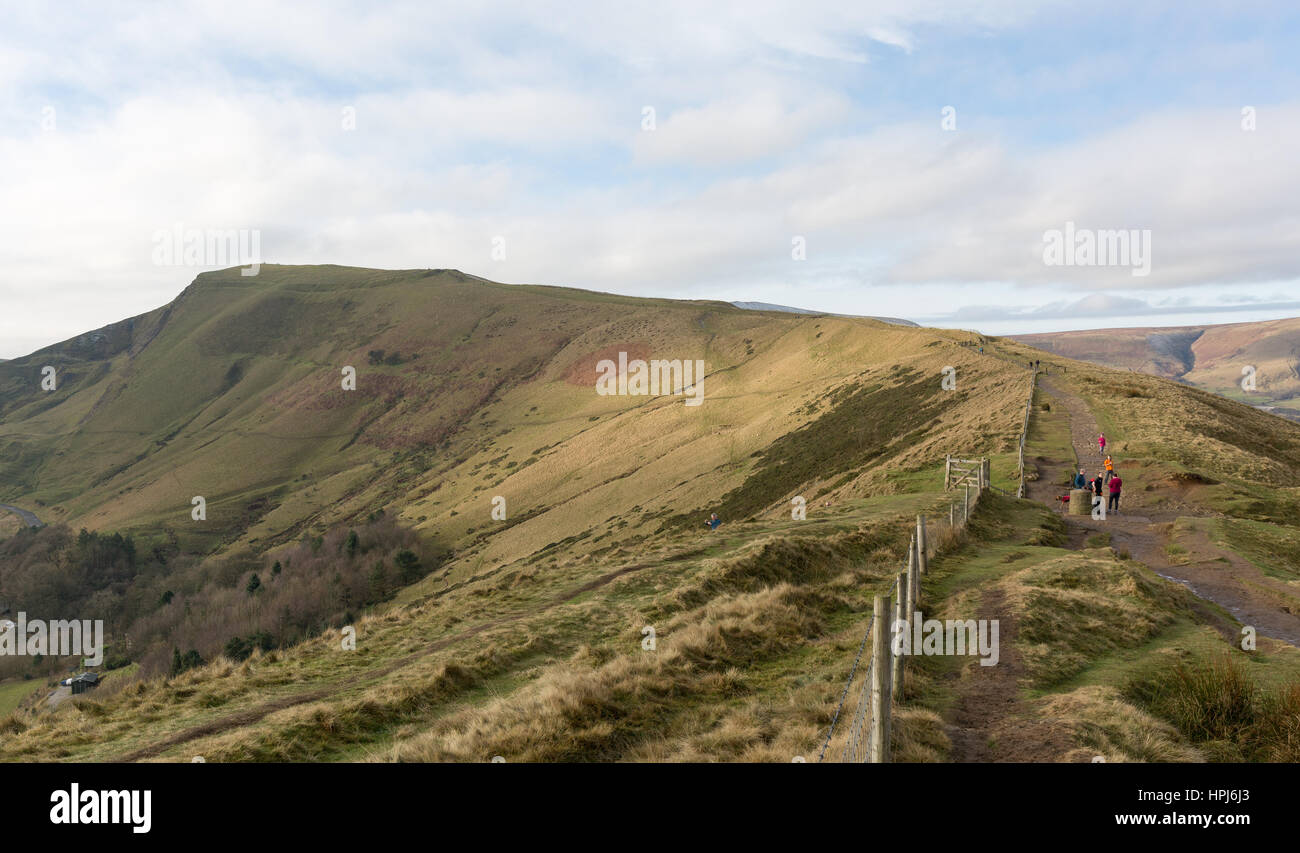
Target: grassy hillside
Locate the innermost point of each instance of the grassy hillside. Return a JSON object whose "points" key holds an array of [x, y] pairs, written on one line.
{"points": [[530, 640], [485, 390], [477, 389]]}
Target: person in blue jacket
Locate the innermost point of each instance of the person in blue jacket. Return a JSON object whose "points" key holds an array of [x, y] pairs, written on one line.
{"points": [[713, 521], [1081, 480]]}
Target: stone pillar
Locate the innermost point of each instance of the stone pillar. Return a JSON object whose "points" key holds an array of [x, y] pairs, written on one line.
{"points": [[1080, 501]]}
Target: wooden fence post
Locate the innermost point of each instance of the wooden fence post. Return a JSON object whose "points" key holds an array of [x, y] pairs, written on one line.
{"points": [[900, 615], [913, 579], [905, 596], [880, 696], [947, 471], [922, 557], [965, 507]]}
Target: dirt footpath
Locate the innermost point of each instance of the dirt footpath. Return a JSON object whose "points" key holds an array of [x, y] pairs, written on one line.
{"points": [[1212, 573], [989, 721]]}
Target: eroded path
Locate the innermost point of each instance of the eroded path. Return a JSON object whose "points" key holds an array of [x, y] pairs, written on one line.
{"points": [[990, 722], [1208, 570], [990, 719]]}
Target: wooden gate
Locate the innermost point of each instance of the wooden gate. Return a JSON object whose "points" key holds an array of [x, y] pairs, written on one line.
{"points": [[965, 472]]}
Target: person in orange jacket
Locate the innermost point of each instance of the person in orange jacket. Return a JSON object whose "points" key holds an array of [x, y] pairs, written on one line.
{"points": [[1110, 468]]}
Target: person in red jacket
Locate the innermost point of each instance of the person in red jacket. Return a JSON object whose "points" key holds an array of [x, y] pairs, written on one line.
{"points": [[1116, 484]]}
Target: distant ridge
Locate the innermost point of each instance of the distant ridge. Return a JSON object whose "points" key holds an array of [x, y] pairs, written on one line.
{"points": [[1210, 357], [768, 306]]}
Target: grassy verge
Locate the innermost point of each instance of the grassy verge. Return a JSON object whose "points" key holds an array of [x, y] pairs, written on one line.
{"points": [[14, 692]]}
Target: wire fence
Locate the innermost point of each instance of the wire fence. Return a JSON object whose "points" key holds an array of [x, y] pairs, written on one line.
{"points": [[870, 692], [852, 672], [1024, 433], [873, 689], [852, 751]]}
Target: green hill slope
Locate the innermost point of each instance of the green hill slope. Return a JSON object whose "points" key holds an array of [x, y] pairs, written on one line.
{"points": [[465, 389]]}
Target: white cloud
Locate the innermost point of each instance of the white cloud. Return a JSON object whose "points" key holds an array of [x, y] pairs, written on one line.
{"points": [[476, 120], [891, 37], [736, 131]]}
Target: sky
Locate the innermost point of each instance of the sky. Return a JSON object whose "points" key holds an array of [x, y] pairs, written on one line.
{"points": [[903, 158]]}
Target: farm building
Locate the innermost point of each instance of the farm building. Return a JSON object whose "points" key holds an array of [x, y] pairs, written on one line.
{"points": [[82, 683]]}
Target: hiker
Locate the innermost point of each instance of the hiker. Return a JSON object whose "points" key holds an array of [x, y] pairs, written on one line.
{"points": [[713, 521], [1096, 484], [1110, 468], [1116, 484], [1081, 480], [1101, 442]]}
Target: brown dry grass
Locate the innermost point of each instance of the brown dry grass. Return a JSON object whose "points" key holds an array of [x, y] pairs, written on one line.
{"points": [[603, 712]]}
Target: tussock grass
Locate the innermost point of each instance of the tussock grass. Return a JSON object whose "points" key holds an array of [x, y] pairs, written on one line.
{"points": [[1218, 705], [1078, 607], [798, 560], [1211, 701], [1050, 532], [601, 713], [917, 735], [1105, 725]]}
